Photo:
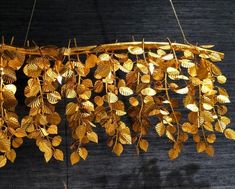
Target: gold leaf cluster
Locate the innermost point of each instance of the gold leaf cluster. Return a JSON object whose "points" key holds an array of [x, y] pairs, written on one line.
{"points": [[127, 90]]}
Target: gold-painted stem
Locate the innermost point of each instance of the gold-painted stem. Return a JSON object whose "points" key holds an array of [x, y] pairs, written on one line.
{"points": [[199, 111], [172, 109], [56, 52]]}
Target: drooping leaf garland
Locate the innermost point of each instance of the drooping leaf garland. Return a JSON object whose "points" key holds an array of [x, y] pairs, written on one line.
{"points": [[106, 84]]}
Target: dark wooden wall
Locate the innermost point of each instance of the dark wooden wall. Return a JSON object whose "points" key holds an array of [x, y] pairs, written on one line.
{"points": [[99, 21]]}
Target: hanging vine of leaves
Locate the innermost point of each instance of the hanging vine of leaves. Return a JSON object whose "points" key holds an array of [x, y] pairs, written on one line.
{"points": [[41, 96], [104, 86], [11, 132]]}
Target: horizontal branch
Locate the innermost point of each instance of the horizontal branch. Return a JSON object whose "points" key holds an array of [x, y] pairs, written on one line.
{"points": [[54, 51]]}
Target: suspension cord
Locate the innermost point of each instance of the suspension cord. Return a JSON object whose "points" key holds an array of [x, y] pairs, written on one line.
{"points": [[178, 21], [30, 21]]}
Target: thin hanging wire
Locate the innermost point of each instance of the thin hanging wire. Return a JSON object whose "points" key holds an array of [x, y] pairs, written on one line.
{"points": [[30, 21], [178, 21]]}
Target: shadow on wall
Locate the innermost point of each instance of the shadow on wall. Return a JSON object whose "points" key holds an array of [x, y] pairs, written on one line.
{"points": [[148, 175]]}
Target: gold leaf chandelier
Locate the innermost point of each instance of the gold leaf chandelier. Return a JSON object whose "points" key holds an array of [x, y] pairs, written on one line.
{"points": [[179, 85]]}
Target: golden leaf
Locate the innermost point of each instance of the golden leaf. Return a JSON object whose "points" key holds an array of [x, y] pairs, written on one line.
{"points": [[87, 82], [89, 106], [215, 57], [71, 93], [229, 133], [225, 120], [11, 155], [143, 68], [121, 83], [9, 75], [168, 57], [111, 97], [83, 153], [188, 54], [208, 126], [215, 69], [20, 132], [223, 99], [91, 61], [182, 77], [125, 136], [196, 81], [192, 107], [127, 66], [220, 126], [153, 55], [92, 136], [17, 142], [110, 129], [201, 147], [185, 63], [133, 101], [33, 102], [221, 79], [53, 97], [104, 57], [158, 74], [3, 161], [44, 145], [135, 50], [15, 60], [184, 90], [160, 129], [144, 145], [56, 140], [10, 87], [52, 129], [170, 136], [196, 138], [148, 91], [74, 158], [173, 153], [120, 113], [48, 155], [9, 99], [173, 72], [125, 91], [54, 118], [192, 71], [210, 150], [102, 70], [121, 56], [222, 110], [164, 47], [207, 46], [207, 106], [44, 132], [211, 138], [187, 127], [42, 119], [99, 101], [98, 87], [71, 108], [5, 145], [58, 155], [80, 131], [32, 70], [145, 78], [164, 112], [118, 149]]}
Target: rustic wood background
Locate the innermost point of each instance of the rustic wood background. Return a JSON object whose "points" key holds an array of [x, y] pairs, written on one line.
{"points": [[100, 21]]}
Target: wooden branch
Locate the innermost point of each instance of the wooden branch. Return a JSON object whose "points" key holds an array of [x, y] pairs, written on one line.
{"points": [[53, 51]]}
